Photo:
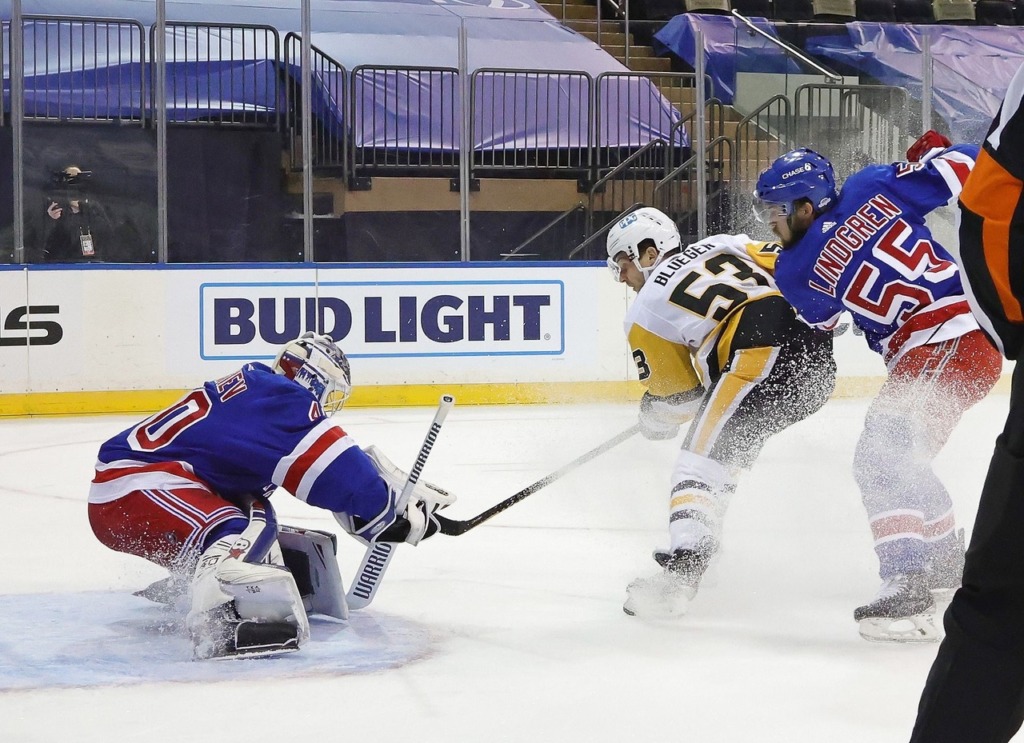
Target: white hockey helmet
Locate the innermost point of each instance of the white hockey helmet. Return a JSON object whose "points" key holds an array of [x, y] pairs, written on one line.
{"points": [[646, 223], [315, 362]]}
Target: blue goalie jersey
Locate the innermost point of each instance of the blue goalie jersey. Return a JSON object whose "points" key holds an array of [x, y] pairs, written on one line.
{"points": [[243, 435], [872, 255]]}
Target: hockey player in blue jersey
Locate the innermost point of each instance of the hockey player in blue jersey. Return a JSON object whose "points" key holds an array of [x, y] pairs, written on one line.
{"points": [[867, 251], [187, 489]]}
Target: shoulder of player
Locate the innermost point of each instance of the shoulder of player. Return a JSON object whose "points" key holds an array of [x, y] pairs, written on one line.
{"points": [[262, 383], [864, 183]]}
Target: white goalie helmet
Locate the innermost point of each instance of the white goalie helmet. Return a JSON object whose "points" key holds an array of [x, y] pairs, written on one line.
{"points": [[315, 362], [646, 223]]}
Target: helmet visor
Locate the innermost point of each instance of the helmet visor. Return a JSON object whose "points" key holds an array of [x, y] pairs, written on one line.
{"points": [[766, 212], [615, 268]]}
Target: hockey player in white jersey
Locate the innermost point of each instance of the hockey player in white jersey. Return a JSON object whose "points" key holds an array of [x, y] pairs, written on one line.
{"points": [[715, 344]]}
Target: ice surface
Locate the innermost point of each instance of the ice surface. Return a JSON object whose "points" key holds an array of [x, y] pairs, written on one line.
{"points": [[511, 632]]}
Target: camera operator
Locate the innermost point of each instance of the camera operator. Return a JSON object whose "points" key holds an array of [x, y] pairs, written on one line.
{"points": [[73, 220]]}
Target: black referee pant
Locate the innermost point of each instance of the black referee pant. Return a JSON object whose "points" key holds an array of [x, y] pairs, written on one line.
{"points": [[975, 689]]}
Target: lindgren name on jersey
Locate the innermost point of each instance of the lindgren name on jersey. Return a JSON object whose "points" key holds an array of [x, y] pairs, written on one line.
{"points": [[850, 236], [387, 320]]}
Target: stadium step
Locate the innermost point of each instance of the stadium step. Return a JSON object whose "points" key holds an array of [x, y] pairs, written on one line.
{"points": [[572, 11], [639, 63]]}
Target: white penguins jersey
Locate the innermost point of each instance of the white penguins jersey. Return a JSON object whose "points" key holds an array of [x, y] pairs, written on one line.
{"points": [[679, 325]]}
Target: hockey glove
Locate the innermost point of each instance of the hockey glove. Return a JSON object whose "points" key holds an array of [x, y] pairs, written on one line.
{"points": [[660, 417], [925, 146], [417, 522]]}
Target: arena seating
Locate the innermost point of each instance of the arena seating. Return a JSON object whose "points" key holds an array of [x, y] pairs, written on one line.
{"points": [[794, 10], [995, 13], [876, 11], [956, 12], [753, 8], [834, 11], [914, 11]]}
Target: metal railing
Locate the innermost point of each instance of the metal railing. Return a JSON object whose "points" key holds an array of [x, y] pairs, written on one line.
{"points": [[329, 140], [553, 231], [550, 116], [852, 125], [420, 134], [83, 69], [240, 85], [675, 194]]}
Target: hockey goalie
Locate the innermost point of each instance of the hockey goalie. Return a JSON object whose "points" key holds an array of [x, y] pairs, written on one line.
{"points": [[188, 489]]}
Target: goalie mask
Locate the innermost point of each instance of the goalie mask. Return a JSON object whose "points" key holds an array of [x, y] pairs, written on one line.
{"points": [[315, 362], [638, 227]]}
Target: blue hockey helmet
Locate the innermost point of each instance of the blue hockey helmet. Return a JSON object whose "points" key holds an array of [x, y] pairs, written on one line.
{"points": [[316, 363], [800, 174]]}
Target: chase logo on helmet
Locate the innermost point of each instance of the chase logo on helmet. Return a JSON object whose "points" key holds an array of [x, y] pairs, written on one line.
{"points": [[484, 318], [806, 168]]}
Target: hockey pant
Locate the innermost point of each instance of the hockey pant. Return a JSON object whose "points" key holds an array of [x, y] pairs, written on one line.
{"points": [[762, 390], [168, 527], [926, 393]]}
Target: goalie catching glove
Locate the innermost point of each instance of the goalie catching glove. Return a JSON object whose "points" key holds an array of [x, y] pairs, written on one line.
{"points": [[660, 417], [417, 521]]}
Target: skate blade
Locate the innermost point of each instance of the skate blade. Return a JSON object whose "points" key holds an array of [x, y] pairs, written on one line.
{"points": [[917, 628]]}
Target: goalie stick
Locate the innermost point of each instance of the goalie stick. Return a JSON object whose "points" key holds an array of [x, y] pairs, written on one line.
{"points": [[454, 528], [378, 554]]}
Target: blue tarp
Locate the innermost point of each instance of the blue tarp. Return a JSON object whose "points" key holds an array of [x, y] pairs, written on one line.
{"points": [[971, 71], [730, 46], [98, 74]]}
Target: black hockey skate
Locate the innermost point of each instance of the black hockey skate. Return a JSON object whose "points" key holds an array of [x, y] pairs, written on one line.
{"points": [[669, 593], [224, 635], [903, 611]]}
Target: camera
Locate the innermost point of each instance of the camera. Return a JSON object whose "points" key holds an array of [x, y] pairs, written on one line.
{"points": [[71, 177]]}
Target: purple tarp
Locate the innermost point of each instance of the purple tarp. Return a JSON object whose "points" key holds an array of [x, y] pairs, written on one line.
{"points": [[729, 46], [395, 108], [970, 74]]}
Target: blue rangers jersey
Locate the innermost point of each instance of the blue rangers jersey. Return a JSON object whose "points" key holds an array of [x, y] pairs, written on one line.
{"points": [[872, 255], [242, 435]]}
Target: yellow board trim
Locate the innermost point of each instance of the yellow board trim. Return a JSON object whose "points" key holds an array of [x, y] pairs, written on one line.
{"points": [[545, 393]]}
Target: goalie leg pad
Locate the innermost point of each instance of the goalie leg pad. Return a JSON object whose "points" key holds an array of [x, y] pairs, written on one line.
{"points": [[223, 635], [230, 587], [311, 557]]}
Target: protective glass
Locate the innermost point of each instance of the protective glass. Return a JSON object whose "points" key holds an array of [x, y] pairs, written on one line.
{"points": [[767, 211]]}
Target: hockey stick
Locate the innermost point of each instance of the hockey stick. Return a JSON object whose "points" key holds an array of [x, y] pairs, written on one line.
{"points": [[378, 554], [454, 528]]}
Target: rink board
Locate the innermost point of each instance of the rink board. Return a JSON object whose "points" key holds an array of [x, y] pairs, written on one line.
{"points": [[124, 339]]}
